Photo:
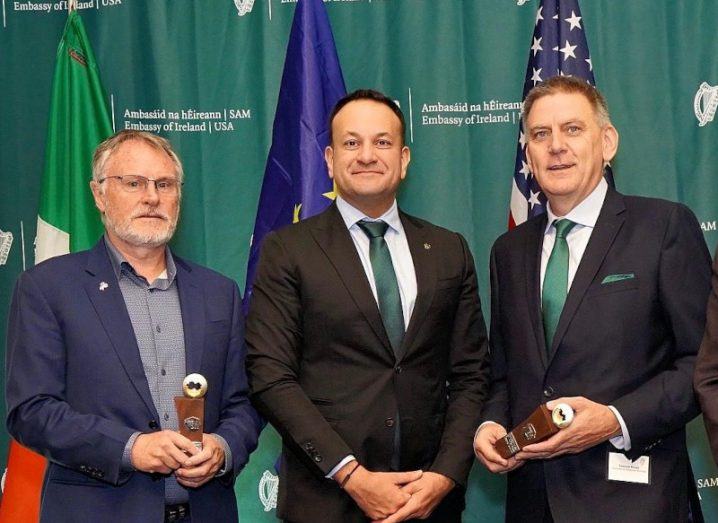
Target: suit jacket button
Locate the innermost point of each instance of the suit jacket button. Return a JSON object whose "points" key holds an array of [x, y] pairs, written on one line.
{"points": [[398, 369], [548, 392], [389, 422], [153, 424], [317, 458]]}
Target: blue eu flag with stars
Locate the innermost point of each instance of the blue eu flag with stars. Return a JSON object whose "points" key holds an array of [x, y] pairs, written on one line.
{"points": [[296, 183]]}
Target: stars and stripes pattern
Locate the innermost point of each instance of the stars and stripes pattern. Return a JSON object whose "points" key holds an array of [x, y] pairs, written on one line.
{"points": [[558, 47]]}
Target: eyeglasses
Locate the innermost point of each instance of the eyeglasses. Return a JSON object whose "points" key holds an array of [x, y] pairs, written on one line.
{"points": [[135, 183]]}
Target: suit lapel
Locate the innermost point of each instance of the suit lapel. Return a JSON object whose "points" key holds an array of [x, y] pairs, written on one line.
{"points": [[112, 313], [532, 256], [192, 304], [333, 237], [609, 222], [425, 268]]}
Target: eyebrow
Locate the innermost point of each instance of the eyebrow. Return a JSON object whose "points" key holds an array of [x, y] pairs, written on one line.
{"points": [[562, 124], [377, 135]]}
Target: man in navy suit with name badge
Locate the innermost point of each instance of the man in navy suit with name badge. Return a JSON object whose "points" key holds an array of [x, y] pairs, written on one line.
{"points": [[599, 303], [99, 343]]}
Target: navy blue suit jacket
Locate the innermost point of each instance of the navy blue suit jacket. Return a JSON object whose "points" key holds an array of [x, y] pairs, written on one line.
{"points": [[76, 388], [630, 342]]}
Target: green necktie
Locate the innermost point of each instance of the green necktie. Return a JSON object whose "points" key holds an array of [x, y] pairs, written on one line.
{"points": [[555, 282], [387, 288]]}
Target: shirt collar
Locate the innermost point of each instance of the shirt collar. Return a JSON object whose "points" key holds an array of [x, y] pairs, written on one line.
{"points": [[351, 215], [585, 213], [118, 261]]}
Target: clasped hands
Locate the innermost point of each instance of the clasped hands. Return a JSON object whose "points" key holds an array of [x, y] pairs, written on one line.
{"points": [[389, 497], [593, 423], [167, 452]]}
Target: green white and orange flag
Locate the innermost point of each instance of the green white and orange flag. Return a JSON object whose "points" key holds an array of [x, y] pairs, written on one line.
{"points": [[67, 219], [79, 120]]}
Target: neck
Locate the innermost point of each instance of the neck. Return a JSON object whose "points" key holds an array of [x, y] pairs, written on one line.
{"points": [[561, 207], [148, 262], [372, 208]]}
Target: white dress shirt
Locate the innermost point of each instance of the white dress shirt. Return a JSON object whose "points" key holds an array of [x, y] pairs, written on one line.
{"points": [[398, 245], [585, 216]]}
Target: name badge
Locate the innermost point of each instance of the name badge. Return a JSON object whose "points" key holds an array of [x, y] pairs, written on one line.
{"points": [[620, 468]]}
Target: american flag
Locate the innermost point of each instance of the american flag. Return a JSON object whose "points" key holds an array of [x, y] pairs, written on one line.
{"points": [[558, 48]]}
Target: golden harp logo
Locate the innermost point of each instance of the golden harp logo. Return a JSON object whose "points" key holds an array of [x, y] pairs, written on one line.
{"points": [[705, 103], [5, 244], [268, 488], [243, 6]]}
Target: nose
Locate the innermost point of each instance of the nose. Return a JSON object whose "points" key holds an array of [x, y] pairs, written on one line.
{"points": [[366, 153], [151, 195], [557, 145]]}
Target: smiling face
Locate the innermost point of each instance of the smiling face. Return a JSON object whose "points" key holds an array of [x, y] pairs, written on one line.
{"points": [[141, 219], [367, 158], [567, 148]]}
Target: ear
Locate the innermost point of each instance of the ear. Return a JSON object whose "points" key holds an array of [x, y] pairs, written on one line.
{"points": [[405, 159], [329, 159], [527, 151], [98, 196], [609, 142]]}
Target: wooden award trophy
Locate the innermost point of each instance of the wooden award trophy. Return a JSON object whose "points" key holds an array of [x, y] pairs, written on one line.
{"points": [[540, 425], [190, 408]]}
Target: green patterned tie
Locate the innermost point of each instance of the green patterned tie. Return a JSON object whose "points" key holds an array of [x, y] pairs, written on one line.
{"points": [[387, 288], [555, 282]]}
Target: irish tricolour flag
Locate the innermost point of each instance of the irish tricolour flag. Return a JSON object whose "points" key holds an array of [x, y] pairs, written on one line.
{"points": [[67, 220]]}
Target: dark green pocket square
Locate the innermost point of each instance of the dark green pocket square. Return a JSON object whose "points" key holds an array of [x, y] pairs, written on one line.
{"points": [[617, 277]]}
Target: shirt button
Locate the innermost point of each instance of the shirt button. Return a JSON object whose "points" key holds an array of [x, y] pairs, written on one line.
{"points": [[389, 422], [163, 372], [159, 329], [167, 416]]}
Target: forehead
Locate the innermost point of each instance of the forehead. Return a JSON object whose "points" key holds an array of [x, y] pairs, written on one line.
{"points": [[140, 157], [560, 107], [366, 116]]}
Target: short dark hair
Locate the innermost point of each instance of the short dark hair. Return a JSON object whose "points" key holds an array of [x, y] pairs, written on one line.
{"points": [[372, 95], [568, 85]]}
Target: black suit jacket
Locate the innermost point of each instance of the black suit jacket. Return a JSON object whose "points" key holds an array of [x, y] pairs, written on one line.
{"points": [[323, 372], [629, 342], [706, 375]]}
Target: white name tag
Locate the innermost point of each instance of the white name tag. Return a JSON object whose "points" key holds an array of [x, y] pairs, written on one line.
{"points": [[620, 468]]}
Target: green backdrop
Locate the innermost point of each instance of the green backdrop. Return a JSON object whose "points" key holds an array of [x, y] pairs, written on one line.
{"points": [[224, 58]]}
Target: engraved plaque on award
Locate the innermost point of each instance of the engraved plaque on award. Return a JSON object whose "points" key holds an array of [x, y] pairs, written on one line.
{"points": [[190, 408], [540, 425]]}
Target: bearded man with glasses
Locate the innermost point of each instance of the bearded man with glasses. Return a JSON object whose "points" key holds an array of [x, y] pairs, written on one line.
{"points": [[99, 343]]}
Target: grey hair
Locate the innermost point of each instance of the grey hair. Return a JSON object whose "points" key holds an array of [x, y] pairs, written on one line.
{"points": [[567, 85], [107, 148]]}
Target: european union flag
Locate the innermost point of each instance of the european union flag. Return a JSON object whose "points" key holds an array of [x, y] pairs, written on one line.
{"points": [[296, 183]]}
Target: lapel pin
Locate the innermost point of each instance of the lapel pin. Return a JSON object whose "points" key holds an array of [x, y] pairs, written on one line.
{"points": [[427, 246], [103, 285]]}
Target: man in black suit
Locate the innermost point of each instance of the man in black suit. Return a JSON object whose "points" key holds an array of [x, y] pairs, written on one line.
{"points": [[367, 346], [599, 304]]}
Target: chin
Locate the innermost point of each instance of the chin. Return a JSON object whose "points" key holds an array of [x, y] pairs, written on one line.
{"points": [[146, 238]]}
